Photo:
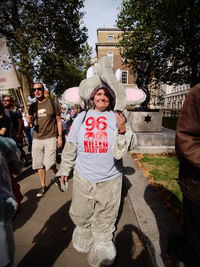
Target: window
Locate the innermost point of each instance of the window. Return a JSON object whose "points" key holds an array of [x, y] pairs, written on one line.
{"points": [[111, 55], [124, 76], [110, 38]]}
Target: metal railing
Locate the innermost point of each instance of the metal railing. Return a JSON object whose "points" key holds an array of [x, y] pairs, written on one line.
{"points": [[170, 113]]}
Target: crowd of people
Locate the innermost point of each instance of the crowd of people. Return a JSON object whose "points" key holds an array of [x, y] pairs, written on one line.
{"points": [[93, 140], [16, 131], [14, 124]]}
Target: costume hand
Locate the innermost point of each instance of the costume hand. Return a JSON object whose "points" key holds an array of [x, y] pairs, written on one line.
{"points": [[121, 122], [64, 179], [59, 142]]}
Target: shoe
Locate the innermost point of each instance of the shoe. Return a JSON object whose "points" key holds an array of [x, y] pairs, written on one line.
{"points": [[41, 192]]}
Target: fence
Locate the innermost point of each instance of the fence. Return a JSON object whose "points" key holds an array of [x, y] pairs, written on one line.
{"points": [[170, 113]]}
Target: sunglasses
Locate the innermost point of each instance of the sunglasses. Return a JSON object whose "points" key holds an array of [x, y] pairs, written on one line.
{"points": [[6, 100], [38, 88]]}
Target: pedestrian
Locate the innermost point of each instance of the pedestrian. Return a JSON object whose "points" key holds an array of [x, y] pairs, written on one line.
{"points": [[16, 124], [45, 116], [98, 139], [4, 122], [186, 248], [70, 118], [27, 128], [9, 163], [77, 110], [64, 117]]}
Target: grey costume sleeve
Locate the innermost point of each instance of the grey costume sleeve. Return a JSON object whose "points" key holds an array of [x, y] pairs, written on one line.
{"points": [[68, 158], [122, 142]]}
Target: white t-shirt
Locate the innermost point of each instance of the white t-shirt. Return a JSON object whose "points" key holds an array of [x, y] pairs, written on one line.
{"points": [[94, 138]]}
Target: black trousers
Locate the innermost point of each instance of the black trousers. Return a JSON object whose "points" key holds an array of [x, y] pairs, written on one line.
{"points": [[186, 248]]}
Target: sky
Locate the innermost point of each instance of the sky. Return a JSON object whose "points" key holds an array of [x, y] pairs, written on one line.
{"points": [[100, 14]]}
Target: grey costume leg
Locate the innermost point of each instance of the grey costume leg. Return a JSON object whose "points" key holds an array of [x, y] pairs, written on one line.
{"points": [[81, 211], [94, 210], [107, 197]]}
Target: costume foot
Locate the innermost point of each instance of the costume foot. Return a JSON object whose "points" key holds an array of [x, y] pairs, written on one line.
{"points": [[102, 253], [82, 239]]}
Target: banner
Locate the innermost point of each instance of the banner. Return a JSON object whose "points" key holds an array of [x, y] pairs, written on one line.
{"points": [[8, 76]]}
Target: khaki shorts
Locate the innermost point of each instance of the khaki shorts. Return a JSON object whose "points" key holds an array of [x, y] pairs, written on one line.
{"points": [[44, 153]]}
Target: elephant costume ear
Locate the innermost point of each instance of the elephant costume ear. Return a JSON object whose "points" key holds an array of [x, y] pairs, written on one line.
{"points": [[134, 96], [71, 96], [102, 73]]}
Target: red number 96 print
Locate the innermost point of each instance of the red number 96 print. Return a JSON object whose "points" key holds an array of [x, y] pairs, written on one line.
{"points": [[96, 142]]}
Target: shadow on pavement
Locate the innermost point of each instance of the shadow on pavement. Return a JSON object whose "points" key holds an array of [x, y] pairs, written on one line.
{"points": [[52, 239], [125, 187], [165, 223], [25, 173], [125, 246], [27, 209], [27, 170], [124, 240]]}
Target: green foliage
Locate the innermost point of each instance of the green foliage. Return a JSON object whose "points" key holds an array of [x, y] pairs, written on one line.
{"points": [[66, 73], [169, 30], [46, 38]]}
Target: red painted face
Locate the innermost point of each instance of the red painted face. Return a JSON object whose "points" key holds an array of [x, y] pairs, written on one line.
{"points": [[102, 99]]}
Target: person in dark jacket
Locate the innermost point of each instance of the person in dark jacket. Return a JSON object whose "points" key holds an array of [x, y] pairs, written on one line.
{"points": [[186, 248], [4, 122]]}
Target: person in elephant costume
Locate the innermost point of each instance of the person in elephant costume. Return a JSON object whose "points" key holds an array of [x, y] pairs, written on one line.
{"points": [[98, 139]]}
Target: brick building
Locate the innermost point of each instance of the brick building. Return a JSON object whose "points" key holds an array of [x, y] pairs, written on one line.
{"points": [[108, 45], [175, 95]]}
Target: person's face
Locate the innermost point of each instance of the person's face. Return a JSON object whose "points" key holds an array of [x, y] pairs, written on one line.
{"points": [[78, 110], [7, 102], [101, 99], [63, 109], [38, 91]]}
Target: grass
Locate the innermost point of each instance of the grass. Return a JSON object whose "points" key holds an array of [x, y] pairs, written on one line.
{"points": [[161, 172]]}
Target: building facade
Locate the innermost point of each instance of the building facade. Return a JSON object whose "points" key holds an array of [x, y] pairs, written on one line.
{"points": [[108, 45], [175, 96]]}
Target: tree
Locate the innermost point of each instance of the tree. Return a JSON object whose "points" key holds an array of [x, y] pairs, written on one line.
{"points": [[45, 36], [65, 73], [156, 94], [169, 31]]}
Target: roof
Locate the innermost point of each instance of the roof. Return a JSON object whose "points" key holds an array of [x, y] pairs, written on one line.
{"points": [[109, 29]]}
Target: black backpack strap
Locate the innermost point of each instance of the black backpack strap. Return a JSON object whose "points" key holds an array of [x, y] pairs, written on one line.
{"points": [[84, 116], [53, 105]]}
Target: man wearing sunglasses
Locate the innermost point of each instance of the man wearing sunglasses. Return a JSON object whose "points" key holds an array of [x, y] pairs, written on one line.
{"points": [[46, 119]]}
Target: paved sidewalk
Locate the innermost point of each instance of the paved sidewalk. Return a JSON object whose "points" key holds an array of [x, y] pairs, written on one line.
{"points": [[43, 230], [154, 220]]}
